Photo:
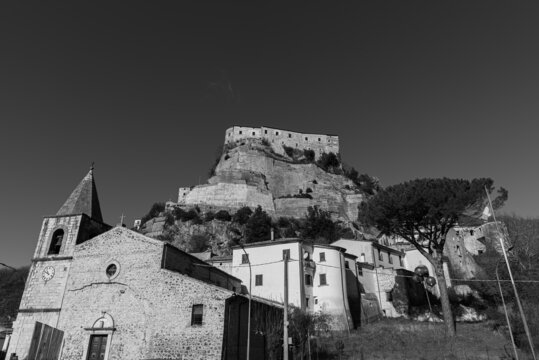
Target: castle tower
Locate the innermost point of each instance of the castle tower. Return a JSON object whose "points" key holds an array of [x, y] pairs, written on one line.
{"points": [[78, 220]]}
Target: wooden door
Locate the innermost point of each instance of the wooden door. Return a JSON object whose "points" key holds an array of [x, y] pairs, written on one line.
{"points": [[98, 346]]}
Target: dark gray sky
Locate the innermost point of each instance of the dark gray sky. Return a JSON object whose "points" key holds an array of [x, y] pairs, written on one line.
{"points": [[146, 90]]}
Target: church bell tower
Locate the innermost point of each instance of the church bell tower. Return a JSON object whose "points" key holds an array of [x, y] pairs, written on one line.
{"points": [[78, 220]]}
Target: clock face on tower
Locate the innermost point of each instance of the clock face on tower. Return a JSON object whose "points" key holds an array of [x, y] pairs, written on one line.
{"points": [[48, 273]]}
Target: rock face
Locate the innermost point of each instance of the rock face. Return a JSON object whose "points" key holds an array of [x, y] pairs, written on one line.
{"points": [[254, 174]]}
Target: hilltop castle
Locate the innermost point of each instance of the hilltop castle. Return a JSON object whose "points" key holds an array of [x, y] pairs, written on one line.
{"points": [[278, 138]]}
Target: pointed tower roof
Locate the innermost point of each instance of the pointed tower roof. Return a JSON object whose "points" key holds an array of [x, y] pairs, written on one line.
{"points": [[83, 199]]}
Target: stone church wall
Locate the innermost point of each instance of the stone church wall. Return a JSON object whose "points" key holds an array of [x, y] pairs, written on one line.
{"points": [[150, 307]]}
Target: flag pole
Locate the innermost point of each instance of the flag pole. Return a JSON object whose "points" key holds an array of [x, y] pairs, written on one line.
{"points": [[517, 298]]}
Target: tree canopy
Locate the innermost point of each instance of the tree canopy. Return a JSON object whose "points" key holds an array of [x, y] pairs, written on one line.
{"points": [[258, 226], [422, 212]]}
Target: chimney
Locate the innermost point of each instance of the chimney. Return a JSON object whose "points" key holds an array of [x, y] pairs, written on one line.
{"points": [[272, 235]]}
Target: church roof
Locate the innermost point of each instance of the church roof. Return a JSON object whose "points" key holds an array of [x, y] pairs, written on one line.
{"points": [[83, 200]]}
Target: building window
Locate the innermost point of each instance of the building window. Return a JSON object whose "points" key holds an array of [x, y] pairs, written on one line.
{"points": [[305, 139], [380, 256], [390, 259], [286, 254], [308, 280], [253, 133], [360, 271], [389, 296], [322, 256], [319, 139], [196, 314], [276, 133], [400, 261], [306, 302], [241, 132], [315, 301], [56, 242], [111, 270], [289, 135], [244, 258], [258, 280], [346, 265], [323, 279]]}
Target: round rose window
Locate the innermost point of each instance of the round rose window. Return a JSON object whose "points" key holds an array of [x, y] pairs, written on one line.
{"points": [[112, 269]]}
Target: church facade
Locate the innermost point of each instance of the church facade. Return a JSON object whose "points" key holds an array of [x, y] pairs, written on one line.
{"points": [[111, 293]]}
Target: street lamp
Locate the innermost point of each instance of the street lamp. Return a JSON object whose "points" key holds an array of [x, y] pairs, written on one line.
{"points": [[421, 275]]}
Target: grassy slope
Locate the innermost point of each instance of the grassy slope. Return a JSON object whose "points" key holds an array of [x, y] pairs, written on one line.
{"points": [[405, 339]]}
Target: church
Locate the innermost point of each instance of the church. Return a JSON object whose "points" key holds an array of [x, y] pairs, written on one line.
{"points": [[101, 292]]}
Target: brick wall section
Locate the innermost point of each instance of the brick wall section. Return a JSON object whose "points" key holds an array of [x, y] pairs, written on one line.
{"points": [[151, 306]]}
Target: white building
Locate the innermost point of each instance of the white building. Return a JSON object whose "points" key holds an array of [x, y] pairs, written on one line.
{"points": [[317, 278]]}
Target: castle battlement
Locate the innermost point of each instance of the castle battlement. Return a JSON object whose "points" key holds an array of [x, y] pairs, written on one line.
{"points": [[277, 138]]}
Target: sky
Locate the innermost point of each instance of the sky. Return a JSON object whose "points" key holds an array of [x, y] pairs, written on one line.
{"points": [[147, 89]]}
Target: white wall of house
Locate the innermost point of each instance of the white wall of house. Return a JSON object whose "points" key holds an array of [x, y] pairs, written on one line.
{"points": [[331, 295], [267, 263]]}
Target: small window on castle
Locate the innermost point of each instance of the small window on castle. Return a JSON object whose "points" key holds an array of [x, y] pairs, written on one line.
{"points": [[380, 256], [322, 256], [400, 261], [276, 133], [360, 271], [389, 296], [253, 133], [323, 280], [56, 242], [289, 135], [265, 131], [241, 132], [258, 280], [244, 259], [196, 314], [346, 264], [308, 280], [390, 259], [306, 139], [319, 139]]}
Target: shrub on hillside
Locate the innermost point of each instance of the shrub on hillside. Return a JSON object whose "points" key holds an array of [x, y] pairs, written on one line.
{"points": [[209, 216], [155, 210], [223, 215], [178, 213], [329, 162], [309, 155], [169, 219], [198, 243], [288, 150], [242, 215], [258, 227], [318, 226]]}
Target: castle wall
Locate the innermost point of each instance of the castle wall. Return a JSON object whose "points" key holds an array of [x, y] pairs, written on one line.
{"points": [[277, 138], [230, 196]]}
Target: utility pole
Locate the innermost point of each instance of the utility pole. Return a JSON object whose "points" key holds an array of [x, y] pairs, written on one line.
{"points": [[517, 298], [285, 315]]}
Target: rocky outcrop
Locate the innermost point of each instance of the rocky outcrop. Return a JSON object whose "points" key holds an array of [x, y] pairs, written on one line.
{"points": [[253, 174]]}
